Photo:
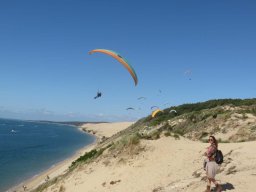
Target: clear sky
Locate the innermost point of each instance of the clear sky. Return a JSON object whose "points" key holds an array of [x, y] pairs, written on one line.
{"points": [[183, 51]]}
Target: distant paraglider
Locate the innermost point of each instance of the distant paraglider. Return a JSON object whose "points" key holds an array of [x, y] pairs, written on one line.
{"points": [[130, 108], [119, 58], [99, 94], [154, 107], [141, 98], [188, 74], [154, 113], [173, 111]]}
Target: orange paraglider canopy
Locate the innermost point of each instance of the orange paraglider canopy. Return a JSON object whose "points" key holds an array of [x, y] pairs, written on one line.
{"points": [[153, 114], [122, 60]]}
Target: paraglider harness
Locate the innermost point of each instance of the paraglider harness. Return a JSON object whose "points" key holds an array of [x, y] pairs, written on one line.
{"points": [[98, 95]]}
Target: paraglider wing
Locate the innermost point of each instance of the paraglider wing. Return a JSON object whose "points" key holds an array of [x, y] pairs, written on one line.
{"points": [[153, 114], [173, 111], [141, 98], [188, 74], [130, 108], [122, 60], [154, 107]]}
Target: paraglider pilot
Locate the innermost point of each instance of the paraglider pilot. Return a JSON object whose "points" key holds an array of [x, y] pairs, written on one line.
{"points": [[98, 95]]}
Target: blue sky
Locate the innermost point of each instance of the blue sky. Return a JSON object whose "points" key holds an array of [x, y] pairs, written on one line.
{"points": [[47, 73]]}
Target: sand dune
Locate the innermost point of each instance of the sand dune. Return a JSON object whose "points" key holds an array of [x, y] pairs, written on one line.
{"points": [[106, 129], [166, 165]]}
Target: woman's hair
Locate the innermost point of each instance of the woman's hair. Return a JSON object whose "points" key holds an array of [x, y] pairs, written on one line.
{"points": [[214, 141]]}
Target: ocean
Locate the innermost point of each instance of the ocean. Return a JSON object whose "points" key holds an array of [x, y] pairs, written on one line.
{"points": [[28, 148]]}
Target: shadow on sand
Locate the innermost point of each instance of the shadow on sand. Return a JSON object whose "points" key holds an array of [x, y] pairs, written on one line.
{"points": [[226, 187]]}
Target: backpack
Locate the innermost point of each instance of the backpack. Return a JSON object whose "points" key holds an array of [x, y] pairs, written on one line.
{"points": [[219, 157]]}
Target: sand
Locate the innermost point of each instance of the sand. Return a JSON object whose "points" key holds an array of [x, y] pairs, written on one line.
{"points": [[166, 164], [106, 129]]}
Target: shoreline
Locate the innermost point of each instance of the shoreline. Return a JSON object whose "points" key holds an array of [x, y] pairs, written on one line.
{"points": [[62, 167], [56, 169]]}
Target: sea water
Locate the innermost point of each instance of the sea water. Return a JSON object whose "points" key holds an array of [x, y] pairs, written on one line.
{"points": [[28, 148]]}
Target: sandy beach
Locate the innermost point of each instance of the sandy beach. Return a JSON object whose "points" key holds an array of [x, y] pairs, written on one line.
{"points": [[166, 164], [101, 129]]}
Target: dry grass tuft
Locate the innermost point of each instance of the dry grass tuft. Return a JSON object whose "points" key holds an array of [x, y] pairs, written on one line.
{"points": [[62, 188]]}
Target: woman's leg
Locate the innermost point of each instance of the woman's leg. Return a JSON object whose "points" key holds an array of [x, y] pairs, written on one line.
{"points": [[219, 188], [208, 187]]}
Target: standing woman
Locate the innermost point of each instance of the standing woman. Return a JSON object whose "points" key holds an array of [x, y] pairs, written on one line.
{"points": [[211, 166]]}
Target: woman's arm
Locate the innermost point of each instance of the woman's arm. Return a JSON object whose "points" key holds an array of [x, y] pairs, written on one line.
{"points": [[211, 150]]}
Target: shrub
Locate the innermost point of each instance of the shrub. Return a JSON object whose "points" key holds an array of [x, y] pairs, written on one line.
{"points": [[167, 134], [203, 134], [155, 135], [45, 185], [204, 140], [85, 157], [223, 141], [62, 188], [151, 134], [253, 128], [126, 142], [214, 116], [179, 131], [176, 136], [244, 116], [89, 156]]}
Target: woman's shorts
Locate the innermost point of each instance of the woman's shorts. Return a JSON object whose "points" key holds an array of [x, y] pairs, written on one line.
{"points": [[211, 169]]}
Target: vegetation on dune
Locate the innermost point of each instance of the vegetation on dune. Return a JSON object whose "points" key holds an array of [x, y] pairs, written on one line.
{"points": [[199, 120], [88, 156], [126, 141], [129, 144], [233, 117], [47, 184], [196, 107]]}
